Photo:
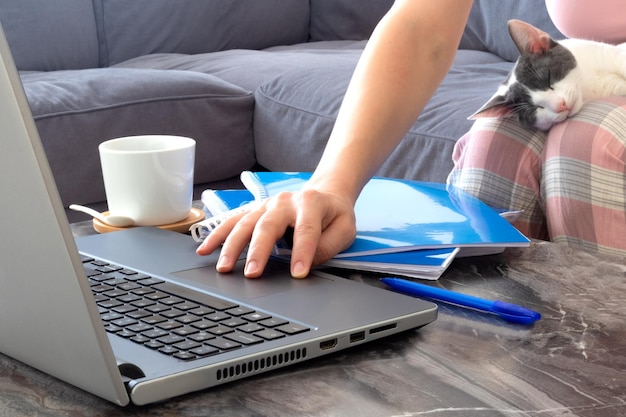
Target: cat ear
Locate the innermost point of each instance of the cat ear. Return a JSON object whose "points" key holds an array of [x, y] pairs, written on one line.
{"points": [[496, 107], [528, 39]]}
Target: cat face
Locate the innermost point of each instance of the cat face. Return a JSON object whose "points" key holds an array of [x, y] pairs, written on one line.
{"points": [[544, 86]]}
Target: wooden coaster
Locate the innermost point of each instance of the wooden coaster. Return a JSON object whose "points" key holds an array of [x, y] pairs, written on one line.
{"points": [[195, 215]]}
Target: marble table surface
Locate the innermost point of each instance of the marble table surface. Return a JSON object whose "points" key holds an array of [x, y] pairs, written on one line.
{"points": [[570, 363]]}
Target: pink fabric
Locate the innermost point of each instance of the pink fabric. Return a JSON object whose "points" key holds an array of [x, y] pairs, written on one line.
{"points": [[570, 182]]}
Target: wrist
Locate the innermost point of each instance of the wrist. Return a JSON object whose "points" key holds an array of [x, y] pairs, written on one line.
{"points": [[344, 184]]}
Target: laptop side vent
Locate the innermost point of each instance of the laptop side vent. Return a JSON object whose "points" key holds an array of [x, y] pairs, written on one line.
{"points": [[258, 365]]}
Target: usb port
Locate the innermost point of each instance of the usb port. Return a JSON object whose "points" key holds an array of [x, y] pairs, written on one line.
{"points": [[357, 337]]}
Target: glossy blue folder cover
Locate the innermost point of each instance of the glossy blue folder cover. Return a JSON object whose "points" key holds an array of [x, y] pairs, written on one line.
{"points": [[221, 201], [394, 215]]}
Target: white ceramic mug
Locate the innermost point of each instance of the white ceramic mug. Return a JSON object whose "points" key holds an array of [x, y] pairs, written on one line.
{"points": [[149, 178]]}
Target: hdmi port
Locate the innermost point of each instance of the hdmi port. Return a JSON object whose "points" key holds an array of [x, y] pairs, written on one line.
{"points": [[328, 344]]}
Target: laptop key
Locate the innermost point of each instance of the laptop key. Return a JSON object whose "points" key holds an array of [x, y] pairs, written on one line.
{"points": [[185, 331], [219, 330], [256, 316], [127, 286], [109, 303], [223, 344], [292, 328], [250, 328], [171, 300], [153, 344], [124, 309], [110, 316], [115, 293], [154, 333], [269, 334], [111, 328], [155, 295], [273, 322], [171, 339], [187, 318], [101, 288], [204, 350], [137, 277], [185, 356], [124, 322], [173, 313], [150, 281], [142, 291], [239, 311], [139, 327], [153, 319], [169, 325], [168, 350], [186, 345], [234, 322], [201, 336], [218, 316], [186, 305], [157, 308], [139, 314], [141, 339], [128, 298], [202, 311], [195, 296], [91, 272], [127, 334], [142, 303], [243, 338], [203, 324]]}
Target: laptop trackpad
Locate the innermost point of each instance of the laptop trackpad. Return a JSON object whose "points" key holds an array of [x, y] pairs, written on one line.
{"points": [[275, 279]]}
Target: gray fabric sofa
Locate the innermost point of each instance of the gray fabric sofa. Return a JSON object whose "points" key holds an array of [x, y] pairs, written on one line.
{"points": [[257, 83]]}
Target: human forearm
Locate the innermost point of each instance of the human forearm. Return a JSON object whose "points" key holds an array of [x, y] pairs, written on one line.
{"points": [[404, 62], [406, 59]]}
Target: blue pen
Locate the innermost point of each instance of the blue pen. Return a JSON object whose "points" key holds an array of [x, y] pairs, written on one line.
{"points": [[507, 311]]}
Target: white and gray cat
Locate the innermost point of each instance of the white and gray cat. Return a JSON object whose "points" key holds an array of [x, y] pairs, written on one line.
{"points": [[552, 79]]}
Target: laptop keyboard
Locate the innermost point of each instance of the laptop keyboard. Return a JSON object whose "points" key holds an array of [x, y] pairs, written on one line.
{"points": [[175, 320]]}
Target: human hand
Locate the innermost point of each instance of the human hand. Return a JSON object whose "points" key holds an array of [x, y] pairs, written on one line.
{"points": [[323, 225]]}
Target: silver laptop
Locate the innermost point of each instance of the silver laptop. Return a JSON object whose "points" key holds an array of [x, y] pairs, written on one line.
{"points": [[136, 316]]}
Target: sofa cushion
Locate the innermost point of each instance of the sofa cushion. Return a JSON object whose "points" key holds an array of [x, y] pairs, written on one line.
{"points": [[250, 68], [130, 29], [45, 36], [76, 110], [487, 30], [345, 19], [295, 113]]}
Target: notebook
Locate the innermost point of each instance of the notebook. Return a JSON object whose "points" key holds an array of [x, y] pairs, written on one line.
{"points": [[53, 308]]}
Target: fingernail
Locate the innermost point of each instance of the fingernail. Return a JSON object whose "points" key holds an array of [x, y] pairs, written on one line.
{"points": [[298, 270], [222, 262], [251, 267]]}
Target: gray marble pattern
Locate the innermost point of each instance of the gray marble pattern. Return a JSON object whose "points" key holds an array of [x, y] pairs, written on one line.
{"points": [[466, 363]]}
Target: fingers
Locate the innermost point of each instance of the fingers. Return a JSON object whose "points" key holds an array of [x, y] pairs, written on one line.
{"points": [[279, 214], [218, 235], [323, 226], [306, 236], [258, 229], [234, 234]]}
